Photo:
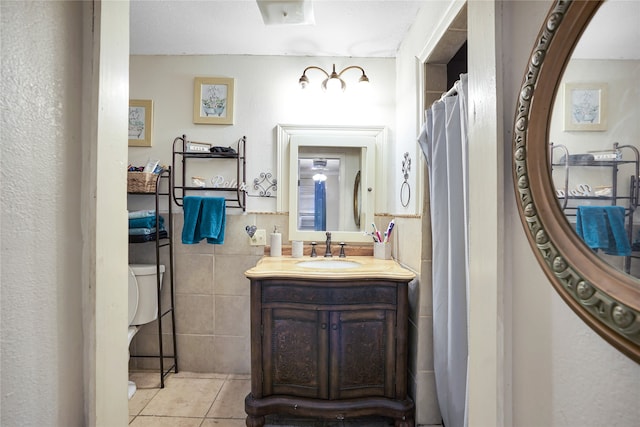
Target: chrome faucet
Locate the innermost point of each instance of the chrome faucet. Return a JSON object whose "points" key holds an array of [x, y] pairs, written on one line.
{"points": [[327, 252]]}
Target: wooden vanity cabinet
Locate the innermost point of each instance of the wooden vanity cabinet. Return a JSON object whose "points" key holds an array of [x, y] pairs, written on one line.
{"points": [[329, 348]]}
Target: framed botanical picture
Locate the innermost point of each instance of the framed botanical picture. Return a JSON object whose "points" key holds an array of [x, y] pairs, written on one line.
{"points": [[585, 106], [213, 100], [140, 122]]}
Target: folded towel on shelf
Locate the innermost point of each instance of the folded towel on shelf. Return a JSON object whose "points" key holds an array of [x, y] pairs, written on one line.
{"points": [[204, 218], [141, 238], [146, 222], [602, 227], [578, 159], [141, 231], [142, 214]]}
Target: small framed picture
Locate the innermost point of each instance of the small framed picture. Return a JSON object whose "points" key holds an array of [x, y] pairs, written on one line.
{"points": [[197, 147], [140, 122], [585, 106], [213, 100]]}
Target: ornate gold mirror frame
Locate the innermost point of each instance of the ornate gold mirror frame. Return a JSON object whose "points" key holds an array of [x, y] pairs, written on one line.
{"points": [[607, 299]]}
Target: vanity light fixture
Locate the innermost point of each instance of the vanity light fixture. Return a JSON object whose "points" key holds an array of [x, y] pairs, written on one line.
{"points": [[319, 165], [334, 81]]}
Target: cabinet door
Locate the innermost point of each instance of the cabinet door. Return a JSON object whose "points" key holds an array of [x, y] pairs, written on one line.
{"points": [[295, 352], [363, 346]]}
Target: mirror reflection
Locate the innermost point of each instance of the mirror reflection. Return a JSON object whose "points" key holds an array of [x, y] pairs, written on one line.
{"points": [[318, 187], [322, 206], [344, 204], [594, 137]]}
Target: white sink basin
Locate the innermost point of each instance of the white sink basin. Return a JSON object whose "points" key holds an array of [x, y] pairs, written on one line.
{"points": [[328, 264]]}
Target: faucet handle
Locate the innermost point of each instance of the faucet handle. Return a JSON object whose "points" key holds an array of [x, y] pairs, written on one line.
{"points": [[342, 245], [327, 252], [313, 250]]}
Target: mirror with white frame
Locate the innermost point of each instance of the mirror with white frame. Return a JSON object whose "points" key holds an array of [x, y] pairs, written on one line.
{"points": [[341, 200]]}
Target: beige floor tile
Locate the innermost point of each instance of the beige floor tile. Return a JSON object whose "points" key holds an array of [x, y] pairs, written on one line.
{"points": [[151, 421], [140, 399], [208, 375], [219, 422], [230, 400], [146, 379], [184, 397], [239, 376]]}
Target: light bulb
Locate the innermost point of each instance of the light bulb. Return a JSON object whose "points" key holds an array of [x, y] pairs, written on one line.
{"points": [[335, 85]]}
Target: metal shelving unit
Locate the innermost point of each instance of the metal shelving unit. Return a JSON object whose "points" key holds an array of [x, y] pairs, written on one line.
{"points": [[235, 195], [163, 241], [630, 201]]}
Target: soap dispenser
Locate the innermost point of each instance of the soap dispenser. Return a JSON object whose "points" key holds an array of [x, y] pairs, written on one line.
{"points": [[276, 242]]}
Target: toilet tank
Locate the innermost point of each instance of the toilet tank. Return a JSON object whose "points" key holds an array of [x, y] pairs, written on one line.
{"points": [[147, 292]]}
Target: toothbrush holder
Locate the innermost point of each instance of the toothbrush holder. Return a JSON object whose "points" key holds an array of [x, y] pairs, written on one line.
{"points": [[382, 250]]}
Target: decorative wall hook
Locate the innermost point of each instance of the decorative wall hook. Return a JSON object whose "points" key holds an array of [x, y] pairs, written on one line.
{"points": [[265, 184], [405, 188], [251, 230]]}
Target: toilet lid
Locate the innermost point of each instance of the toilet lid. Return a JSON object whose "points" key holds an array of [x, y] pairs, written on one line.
{"points": [[133, 295]]}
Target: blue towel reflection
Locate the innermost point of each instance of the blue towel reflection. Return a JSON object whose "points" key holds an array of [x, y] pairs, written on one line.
{"points": [[320, 206], [602, 227]]}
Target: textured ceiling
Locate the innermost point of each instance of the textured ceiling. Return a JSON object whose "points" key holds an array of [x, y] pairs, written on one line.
{"points": [[357, 28]]}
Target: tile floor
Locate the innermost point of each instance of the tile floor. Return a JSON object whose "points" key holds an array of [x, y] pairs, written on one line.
{"points": [[207, 400]]}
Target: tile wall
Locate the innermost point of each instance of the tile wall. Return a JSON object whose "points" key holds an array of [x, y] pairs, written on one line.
{"points": [[211, 298], [212, 301]]}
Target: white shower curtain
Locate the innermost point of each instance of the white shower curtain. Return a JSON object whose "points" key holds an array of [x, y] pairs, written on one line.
{"points": [[444, 143]]}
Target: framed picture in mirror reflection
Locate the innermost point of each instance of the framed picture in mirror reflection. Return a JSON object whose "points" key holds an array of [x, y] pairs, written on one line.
{"points": [[585, 106]]}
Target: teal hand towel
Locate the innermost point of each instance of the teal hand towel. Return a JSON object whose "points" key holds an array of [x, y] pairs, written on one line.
{"points": [[618, 234], [191, 209], [142, 214], [602, 227], [592, 227], [204, 218], [146, 222], [141, 231], [213, 219]]}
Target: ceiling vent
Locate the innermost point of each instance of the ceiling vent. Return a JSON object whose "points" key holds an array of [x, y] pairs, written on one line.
{"points": [[286, 12]]}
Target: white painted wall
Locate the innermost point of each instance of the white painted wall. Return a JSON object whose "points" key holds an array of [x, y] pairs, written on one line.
{"points": [[104, 209], [553, 370], [266, 94], [563, 373], [41, 302], [63, 213]]}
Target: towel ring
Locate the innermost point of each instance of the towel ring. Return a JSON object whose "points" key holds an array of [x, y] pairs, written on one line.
{"points": [[356, 200]]}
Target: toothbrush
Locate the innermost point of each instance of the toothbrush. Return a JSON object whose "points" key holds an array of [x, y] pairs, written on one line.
{"points": [[372, 235], [389, 229], [377, 233]]}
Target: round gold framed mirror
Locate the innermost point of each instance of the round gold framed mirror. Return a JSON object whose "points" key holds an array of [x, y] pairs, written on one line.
{"points": [[606, 298]]}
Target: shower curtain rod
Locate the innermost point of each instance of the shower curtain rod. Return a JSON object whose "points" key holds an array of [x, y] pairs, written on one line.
{"points": [[450, 92]]}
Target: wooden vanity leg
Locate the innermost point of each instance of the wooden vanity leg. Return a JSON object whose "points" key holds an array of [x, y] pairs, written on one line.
{"points": [[255, 421]]}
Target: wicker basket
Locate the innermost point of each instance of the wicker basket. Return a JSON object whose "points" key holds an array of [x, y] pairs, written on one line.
{"points": [[141, 182]]}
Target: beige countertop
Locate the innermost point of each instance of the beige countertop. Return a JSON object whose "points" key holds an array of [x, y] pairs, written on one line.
{"points": [[368, 268]]}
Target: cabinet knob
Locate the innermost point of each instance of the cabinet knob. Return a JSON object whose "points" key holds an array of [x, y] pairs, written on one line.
{"points": [[334, 326], [323, 326]]}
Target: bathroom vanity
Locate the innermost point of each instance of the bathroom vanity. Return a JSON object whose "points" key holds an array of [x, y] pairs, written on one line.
{"points": [[329, 340]]}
